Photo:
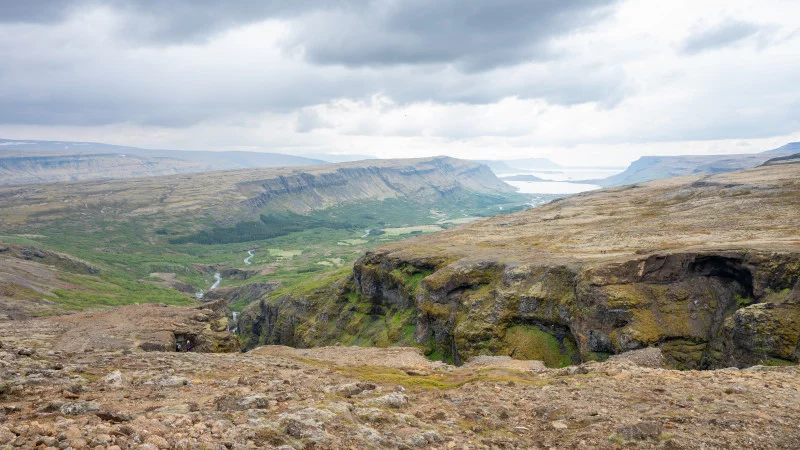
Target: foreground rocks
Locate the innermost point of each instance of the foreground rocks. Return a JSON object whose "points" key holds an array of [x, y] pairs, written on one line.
{"points": [[343, 397]]}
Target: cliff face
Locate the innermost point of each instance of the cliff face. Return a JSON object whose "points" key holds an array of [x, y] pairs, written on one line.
{"points": [[235, 194], [706, 269], [423, 180]]}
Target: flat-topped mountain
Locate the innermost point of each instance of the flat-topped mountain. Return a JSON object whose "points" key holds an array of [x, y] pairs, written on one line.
{"points": [[706, 268], [28, 161], [649, 168], [241, 192]]}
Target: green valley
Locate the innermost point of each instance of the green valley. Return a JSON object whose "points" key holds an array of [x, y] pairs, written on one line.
{"points": [[162, 239]]}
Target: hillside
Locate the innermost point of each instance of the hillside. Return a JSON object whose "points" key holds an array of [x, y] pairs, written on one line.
{"points": [[649, 168], [164, 239], [28, 161], [705, 268]]}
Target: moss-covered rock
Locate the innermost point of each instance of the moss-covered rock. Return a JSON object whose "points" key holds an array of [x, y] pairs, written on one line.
{"points": [[703, 310]]}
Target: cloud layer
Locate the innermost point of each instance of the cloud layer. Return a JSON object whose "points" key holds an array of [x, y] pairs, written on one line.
{"points": [[393, 78]]}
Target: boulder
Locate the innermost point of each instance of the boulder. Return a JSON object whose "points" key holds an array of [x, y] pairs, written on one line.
{"points": [[647, 357], [351, 389], [116, 379], [393, 400], [78, 408]]}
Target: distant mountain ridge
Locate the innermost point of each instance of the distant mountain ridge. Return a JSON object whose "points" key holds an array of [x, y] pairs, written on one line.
{"points": [[519, 165], [649, 168], [32, 161]]}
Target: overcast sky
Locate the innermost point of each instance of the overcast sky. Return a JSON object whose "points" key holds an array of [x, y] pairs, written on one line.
{"points": [[581, 82]]}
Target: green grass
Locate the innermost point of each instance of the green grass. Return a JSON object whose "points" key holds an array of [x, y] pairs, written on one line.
{"points": [[128, 248], [777, 362]]}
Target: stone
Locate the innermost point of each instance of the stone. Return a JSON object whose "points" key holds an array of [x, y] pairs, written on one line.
{"points": [[116, 379], [641, 431], [114, 416], [351, 389], [174, 409], [158, 441], [173, 381], [6, 436], [559, 425], [737, 388], [240, 403], [77, 408], [393, 400]]}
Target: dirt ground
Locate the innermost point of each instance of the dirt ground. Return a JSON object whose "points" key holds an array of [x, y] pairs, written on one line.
{"points": [[54, 395]]}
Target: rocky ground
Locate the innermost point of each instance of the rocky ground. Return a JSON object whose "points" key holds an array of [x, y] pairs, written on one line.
{"points": [[344, 397]]}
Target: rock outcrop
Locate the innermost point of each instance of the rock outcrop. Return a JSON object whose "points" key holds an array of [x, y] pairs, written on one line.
{"points": [[147, 327], [684, 265]]}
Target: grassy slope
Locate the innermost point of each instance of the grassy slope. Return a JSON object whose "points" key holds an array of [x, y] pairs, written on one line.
{"points": [[128, 249]]}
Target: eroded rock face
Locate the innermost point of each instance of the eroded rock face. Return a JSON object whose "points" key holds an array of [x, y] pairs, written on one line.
{"points": [[703, 310], [682, 265]]}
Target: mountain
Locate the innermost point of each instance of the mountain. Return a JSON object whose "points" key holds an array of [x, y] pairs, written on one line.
{"points": [[26, 161], [165, 239], [792, 147], [649, 168], [705, 268], [519, 165]]}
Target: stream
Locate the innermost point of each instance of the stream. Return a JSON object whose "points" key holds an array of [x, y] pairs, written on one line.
{"points": [[247, 260], [233, 327], [217, 281], [218, 277]]}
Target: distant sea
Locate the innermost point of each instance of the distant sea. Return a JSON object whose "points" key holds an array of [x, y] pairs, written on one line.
{"points": [[557, 180]]}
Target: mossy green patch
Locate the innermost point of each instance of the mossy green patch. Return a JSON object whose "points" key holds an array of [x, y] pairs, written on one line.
{"points": [[530, 342]]}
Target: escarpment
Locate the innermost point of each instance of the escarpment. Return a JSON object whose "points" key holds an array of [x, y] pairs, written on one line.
{"points": [[425, 181], [707, 269]]}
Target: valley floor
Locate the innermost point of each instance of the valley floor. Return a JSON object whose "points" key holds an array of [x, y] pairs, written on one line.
{"points": [[345, 397]]}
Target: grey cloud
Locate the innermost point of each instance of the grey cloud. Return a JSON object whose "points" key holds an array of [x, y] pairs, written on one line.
{"points": [[474, 36], [164, 22], [34, 11], [720, 35]]}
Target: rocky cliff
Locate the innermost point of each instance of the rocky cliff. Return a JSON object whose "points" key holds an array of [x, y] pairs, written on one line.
{"points": [[229, 196], [707, 269], [424, 180]]}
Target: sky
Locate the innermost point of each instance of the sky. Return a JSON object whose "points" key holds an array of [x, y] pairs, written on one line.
{"points": [[582, 82]]}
